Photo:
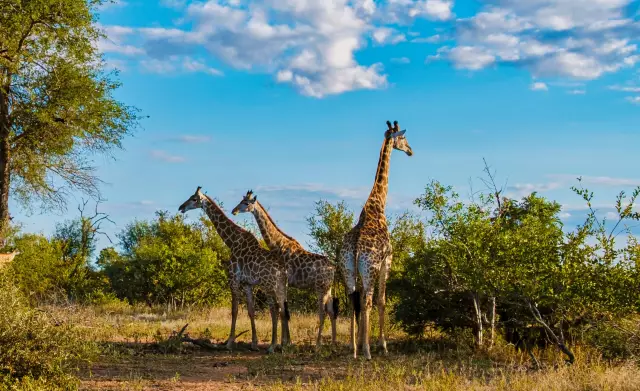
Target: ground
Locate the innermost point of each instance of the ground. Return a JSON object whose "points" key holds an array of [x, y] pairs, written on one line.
{"points": [[137, 353]]}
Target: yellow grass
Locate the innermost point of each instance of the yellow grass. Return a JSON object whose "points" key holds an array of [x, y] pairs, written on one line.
{"points": [[132, 360]]}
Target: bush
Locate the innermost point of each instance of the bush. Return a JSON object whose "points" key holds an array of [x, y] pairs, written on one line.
{"points": [[37, 352]]}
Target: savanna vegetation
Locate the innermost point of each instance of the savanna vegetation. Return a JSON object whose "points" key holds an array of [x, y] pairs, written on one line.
{"points": [[486, 292]]}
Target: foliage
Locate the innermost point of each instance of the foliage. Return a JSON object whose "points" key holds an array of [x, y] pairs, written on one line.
{"points": [[38, 351], [168, 261], [60, 267], [56, 102], [515, 255]]}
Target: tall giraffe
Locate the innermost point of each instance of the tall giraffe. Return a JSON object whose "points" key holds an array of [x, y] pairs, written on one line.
{"points": [[250, 265], [366, 252], [305, 269]]}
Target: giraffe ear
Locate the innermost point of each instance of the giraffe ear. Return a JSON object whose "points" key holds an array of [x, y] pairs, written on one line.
{"points": [[255, 198], [397, 134]]}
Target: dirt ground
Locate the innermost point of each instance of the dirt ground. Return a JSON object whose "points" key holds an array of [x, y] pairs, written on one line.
{"points": [[140, 367]]}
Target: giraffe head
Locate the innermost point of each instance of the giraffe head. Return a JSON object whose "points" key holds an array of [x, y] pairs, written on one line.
{"points": [[194, 202], [399, 139], [247, 204]]}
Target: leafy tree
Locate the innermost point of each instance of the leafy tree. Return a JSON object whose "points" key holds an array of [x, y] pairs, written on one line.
{"points": [[167, 261], [56, 102], [328, 225]]}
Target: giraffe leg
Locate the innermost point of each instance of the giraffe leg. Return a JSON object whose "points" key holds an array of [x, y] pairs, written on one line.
{"points": [[365, 320], [252, 316], [234, 316], [382, 285], [322, 303], [367, 273], [273, 308], [347, 262], [333, 314]]}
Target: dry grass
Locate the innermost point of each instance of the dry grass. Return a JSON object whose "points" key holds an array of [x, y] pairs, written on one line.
{"points": [[132, 360]]}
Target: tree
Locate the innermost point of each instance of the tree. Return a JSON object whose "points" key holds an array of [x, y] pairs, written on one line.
{"points": [[56, 103], [327, 227], [167, 261]]}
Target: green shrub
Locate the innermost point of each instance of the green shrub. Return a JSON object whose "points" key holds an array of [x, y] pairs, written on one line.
{"points": [[38, 352]]}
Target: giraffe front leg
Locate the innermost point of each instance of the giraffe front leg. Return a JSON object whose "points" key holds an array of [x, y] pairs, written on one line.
{"points": [[273, 308], [252, 316], [234, 316], [382, 285], [349, 271], [365, 321], [322, 303]]}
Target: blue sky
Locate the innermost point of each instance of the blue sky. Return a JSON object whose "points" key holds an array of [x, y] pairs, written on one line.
{"points": [[289, 98]]}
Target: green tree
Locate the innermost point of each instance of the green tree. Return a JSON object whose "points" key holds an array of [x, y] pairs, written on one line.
{"points": [[56, 102], [167, 261], [328, 225]]}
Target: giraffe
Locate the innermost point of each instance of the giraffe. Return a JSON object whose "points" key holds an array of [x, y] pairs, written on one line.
{"points": [[5, 259], [250, 265], [305, 269], [366, 253]]}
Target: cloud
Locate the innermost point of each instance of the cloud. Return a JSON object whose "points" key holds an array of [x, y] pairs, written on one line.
{"points": [[539, 86], [165, 157], [308, 45], [318, 190], [111, 4], [176, 4], [605, 181], [627, 88], [192, 139], [633, 99], [578, 39], [523, 189], [577, 92], [401, 60], [176, 63], [431, 39]]}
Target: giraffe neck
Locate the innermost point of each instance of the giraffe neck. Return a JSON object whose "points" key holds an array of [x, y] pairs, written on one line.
{"points": [[378, 196], [230, 233], [273, 236]]}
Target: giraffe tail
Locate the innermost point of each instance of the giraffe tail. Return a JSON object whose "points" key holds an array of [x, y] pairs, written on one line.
{"points": [[336, 305], [355, 300], [287, 314]]}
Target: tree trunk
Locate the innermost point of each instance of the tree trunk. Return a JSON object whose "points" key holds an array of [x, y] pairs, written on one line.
{"points": [[478, 311], [5, 168], [558, 341], [493, 320]]}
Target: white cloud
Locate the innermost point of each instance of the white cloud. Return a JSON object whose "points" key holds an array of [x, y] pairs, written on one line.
{"points": [[384, 35], [310, 45], [577, 39], [596, 180], [192, 139], [577, 92], [401, 60], [471, 57], [166, 157], [633, 99], [627, 88], [539, 86], [523, 189], [191, 65], [431, 39], [111, 4]]}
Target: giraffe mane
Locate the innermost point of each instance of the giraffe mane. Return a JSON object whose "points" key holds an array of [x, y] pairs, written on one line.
{"points": [[274, 224]]}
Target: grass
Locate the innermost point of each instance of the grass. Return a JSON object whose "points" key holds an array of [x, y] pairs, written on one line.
{"points": [[132, 359]]}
